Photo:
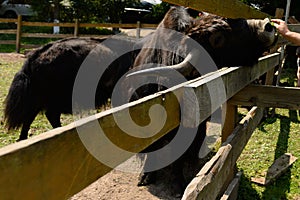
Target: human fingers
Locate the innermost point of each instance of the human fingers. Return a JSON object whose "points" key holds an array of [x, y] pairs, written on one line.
{"points": [[278, 21]]}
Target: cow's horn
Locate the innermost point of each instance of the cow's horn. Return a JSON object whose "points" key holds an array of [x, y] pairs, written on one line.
{"points": [[185, 68]]}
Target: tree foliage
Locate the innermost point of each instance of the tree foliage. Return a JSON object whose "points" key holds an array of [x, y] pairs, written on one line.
{"points": [[84, 10], [269, 6]]}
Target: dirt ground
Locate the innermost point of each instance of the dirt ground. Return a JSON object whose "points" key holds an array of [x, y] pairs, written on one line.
{"points": [[118, 185], [12, 57]]}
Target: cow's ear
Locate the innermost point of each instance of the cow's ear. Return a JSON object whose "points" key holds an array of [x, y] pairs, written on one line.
{"points": [[217, 40]]}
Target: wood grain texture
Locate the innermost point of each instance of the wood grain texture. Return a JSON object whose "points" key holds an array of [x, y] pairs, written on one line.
{"points": [[212, 91], [59, 163], [210, 181], [268, 96]]}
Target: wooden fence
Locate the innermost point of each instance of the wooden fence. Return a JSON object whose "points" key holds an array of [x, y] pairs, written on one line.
{"points": [[56, 164], [76, 33]]}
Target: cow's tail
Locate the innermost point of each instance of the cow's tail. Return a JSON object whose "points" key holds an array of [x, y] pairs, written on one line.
{"points": [[16, 103]]}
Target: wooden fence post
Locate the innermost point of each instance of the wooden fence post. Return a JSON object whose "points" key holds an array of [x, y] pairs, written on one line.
{"points": [[19, 33], [230, 118], [138, 29], [76, 28]]}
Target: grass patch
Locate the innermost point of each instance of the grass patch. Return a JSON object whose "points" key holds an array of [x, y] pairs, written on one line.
{"points": [[8, 69], [274, 137]]}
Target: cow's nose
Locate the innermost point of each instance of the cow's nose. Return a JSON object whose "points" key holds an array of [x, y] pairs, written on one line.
{"points": [[269, 27]]}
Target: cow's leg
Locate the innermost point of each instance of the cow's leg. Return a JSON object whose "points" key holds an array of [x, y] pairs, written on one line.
{"points": [[179, 182], [190, 156], [147, 178], [53, 117], [26, 125]]}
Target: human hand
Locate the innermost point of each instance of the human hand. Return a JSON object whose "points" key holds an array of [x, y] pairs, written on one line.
{"points": [[281, 26]]}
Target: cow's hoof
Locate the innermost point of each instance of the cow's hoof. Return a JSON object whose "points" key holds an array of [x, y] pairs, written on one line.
{"points": [[21, 139], [147, 179]]}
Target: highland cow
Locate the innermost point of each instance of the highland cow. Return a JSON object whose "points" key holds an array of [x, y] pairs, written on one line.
{"points": [[229, 42]]}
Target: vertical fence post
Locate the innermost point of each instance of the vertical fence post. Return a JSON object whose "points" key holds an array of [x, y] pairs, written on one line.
{"points": [[230, 120], [76, 28], [19, 33], [138, 29], [279, 13]]}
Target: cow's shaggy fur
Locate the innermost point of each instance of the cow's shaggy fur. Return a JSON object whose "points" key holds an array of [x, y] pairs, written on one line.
{"points": [[229, 42], [45, 82]]}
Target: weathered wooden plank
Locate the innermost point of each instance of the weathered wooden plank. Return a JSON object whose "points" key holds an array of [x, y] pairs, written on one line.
{"points": [[76, 28], [279, 166], [294, 27], [268, 96], [57, 164], [279, 13], [230, 120], [94, 36], [48, 24], [232, 190], [18, 34], [226, 8], [209, 182], [211, 92], [45, 35], [148, 25], [116, 25], [6, 20], [8, 42], [293, 20], [109, 25], [8, 31]]}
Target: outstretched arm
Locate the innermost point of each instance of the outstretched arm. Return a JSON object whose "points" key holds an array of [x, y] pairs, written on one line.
{"points": [[285, 32]]}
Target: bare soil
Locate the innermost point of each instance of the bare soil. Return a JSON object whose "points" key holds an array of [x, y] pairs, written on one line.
{"points": [[12, 57], [118, 185]]}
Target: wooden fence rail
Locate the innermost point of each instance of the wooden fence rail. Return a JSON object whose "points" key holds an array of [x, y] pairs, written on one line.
{"points": [[56, 164], [76, 33]]}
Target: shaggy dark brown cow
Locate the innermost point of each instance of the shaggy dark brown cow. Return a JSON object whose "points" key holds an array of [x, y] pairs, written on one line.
{"points": [[229, 42], [45, 82]]}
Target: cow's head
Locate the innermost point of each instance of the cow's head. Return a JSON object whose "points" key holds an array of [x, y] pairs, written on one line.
{"points": [[230, 42]]}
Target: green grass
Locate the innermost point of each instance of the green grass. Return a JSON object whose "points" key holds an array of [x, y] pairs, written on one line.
{"points": [[275, 136], [7, 71]]}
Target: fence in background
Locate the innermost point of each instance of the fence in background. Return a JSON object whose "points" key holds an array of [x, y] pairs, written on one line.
{"points": [[75, 25]]}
